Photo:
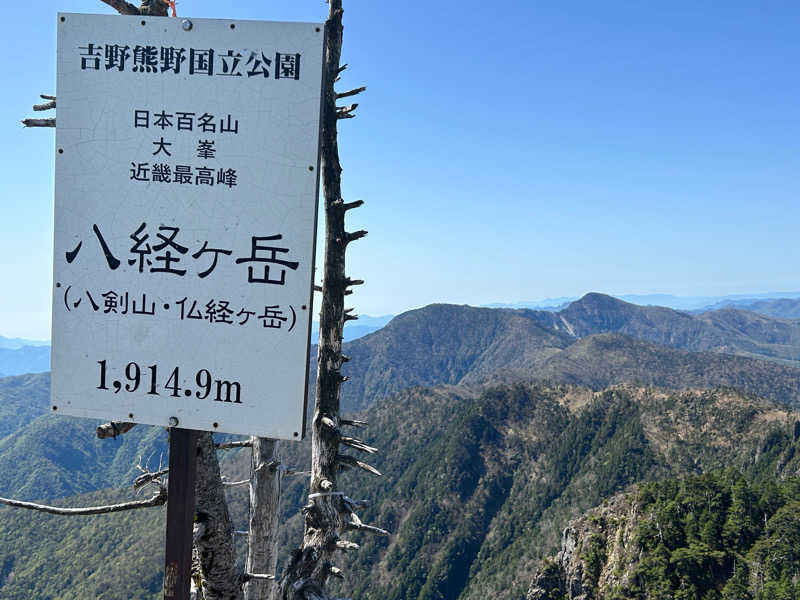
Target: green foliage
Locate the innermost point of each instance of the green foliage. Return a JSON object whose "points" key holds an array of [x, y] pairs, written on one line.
{"points": [[595, 556], [478, 487], [718, 536], [22, 399], [111, 557]]}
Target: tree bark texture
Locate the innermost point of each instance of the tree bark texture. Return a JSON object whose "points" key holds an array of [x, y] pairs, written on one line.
{"points": [[153, 8], [214, 530], [265, 493], [327, 510], [322, 519], [157, 499]]}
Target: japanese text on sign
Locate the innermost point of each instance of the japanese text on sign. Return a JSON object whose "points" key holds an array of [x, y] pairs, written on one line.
{"points": [[185, 216], [194, 61]]}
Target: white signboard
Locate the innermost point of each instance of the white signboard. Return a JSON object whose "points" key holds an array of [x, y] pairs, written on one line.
{"points": [[185, 217]]}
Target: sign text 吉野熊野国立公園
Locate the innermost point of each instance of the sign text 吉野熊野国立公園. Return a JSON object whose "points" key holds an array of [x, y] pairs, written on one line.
{"points": [[185, 217]]}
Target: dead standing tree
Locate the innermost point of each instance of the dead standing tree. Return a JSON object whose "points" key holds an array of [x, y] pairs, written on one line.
{"points": [[329, 511], [265, 493]]}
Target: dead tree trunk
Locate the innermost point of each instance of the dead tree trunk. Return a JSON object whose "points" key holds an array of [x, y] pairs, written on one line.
{"points": [[265, 493], [213, 537], [329, 512]]}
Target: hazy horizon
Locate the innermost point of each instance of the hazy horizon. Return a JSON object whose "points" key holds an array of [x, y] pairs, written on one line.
{"points": [[530, 151], [688, 302]]}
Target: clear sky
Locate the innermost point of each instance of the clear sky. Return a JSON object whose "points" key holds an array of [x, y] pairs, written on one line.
{"points": [[506, 151]]}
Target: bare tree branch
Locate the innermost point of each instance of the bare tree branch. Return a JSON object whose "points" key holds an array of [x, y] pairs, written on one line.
{"points": [[353, 236], [249, 576], [39, 122], [122, 7], [229, 445], [352, 205], [155, 8], [351, 462], [354, 523], [45, 105], [148, 477], [289, 471], [235, 483], [346, 112], [152, 8], [349, 93], [158, 499], [357, 444], [112, 429]]}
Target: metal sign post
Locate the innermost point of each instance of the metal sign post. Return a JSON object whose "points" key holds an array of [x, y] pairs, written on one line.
{"points": [[180, 513]]}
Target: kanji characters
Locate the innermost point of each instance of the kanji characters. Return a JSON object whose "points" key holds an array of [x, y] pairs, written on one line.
{"points": [[201, 61], [287, 66], [161, 60], [116, 56], [90, 59], [257, 251], [145, 59], [168, 242]]}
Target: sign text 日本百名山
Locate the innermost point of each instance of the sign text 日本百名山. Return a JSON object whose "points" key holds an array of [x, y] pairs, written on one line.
{"points": [[185, 214]]}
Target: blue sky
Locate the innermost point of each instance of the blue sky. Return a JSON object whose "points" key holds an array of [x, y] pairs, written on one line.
{"points": [[506, 151]]}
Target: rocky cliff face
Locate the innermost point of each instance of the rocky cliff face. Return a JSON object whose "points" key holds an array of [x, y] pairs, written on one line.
{"points": [[720, 536], [595, 553]]}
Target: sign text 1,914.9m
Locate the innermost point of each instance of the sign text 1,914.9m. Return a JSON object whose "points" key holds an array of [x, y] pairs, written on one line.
{"points": [[139, 379]]}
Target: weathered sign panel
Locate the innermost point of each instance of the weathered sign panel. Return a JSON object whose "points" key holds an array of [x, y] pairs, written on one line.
{"points": [[185, 215]]}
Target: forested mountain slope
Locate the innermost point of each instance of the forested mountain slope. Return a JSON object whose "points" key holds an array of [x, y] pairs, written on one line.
{"points": [[475, 509], [460, 344], [439, 344], [478, 484], [483, 470], [27, 359], [717, 536]]}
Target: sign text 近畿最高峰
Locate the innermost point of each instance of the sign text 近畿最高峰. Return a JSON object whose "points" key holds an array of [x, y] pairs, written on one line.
{"points": [[185, 218]]}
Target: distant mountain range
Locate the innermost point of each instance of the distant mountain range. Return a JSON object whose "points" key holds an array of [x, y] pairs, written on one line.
{"points": [[19, 356], [27, 359], [597, 340], [496, 427], [782, 308], [16, 343], [355, 329], [777, 304]]}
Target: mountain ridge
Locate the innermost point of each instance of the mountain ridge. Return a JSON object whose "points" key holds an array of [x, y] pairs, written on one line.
{"points": [[483, 469]]}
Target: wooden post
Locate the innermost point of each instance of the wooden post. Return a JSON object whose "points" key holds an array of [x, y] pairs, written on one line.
{"points": [[180, 513], [265, 495]]}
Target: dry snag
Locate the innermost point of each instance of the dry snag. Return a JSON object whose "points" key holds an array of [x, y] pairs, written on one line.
{"points": [[329, 512]]}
